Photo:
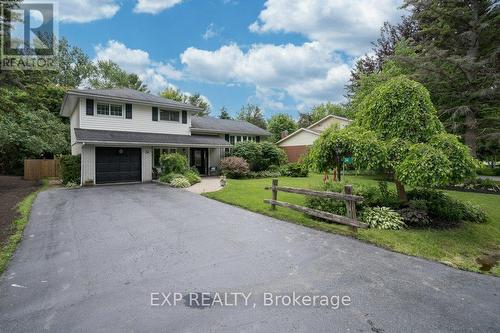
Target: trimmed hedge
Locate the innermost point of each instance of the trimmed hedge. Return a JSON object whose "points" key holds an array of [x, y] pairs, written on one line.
{"points": [[69, 169]]}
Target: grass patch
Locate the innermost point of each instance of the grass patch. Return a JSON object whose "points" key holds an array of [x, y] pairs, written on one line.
{"points": [[457, 247], [24, 208]]}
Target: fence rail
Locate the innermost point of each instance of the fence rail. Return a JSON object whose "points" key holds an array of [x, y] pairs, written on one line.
{"points": [[347, 196], [38, 169]]}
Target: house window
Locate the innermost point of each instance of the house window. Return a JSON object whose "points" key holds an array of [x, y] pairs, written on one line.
{"points": [[238, 138], [105, 109], [231, 139], [169, 115], [244, 138]]}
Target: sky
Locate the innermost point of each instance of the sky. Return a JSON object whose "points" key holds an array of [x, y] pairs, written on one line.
{"points": [[284, 55]]}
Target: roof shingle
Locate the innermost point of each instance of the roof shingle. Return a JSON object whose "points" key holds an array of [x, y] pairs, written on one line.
{"points": [[211, 124], [88, 135], [134, 95]]}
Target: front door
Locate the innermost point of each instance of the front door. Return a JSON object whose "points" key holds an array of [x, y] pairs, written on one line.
{"points": [[199, 159]]}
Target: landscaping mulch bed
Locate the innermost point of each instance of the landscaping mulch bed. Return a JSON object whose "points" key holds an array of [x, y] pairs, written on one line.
{"points": [[13, 189]]}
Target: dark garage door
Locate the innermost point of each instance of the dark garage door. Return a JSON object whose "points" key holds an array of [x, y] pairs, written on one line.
{"points": [[116, 165]]}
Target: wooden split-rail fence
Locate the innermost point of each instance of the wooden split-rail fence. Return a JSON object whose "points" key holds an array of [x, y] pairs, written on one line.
{"points": [[347, 196]]}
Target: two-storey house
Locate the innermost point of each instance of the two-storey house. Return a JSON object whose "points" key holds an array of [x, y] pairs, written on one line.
{"points": [[120, 134]]}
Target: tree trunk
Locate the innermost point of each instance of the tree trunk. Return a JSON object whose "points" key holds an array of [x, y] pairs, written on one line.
{"points": [[401, 191], [470, 136]]}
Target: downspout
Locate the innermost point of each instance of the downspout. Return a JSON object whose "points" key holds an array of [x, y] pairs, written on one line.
{"points": [[81, 165]]}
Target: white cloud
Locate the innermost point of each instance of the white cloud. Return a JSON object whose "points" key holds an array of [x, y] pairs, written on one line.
{"points": [[212, 31], [155, 74], [343, 25], [154, 6], [77, 11], [309, 73]]}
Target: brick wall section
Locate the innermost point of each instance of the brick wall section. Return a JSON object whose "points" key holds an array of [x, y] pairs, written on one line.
{"points": [[295, 152]]}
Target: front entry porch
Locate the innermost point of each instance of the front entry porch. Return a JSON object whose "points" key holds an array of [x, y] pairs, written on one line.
{"points": [[204, 159], [199, 160]]}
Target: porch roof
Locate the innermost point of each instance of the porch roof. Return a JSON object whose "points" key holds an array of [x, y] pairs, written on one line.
{"points": [[148, 139]]}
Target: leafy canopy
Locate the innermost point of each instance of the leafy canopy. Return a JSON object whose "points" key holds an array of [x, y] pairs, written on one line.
{"points": [[195, 100], [279, 123], [253, 114]]}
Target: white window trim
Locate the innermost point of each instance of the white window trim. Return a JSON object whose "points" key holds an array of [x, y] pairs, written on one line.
{"points": [[109, 108], [169, 121]]}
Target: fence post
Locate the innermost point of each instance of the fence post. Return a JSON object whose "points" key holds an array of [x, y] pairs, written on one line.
{"points": [[275, 192], [350, 206]]}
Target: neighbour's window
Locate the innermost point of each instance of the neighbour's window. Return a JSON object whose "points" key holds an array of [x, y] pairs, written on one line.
{"points": [[105, 109], [169, 115], [244, 138], [172, 150], [238, 138], [231, 139]]}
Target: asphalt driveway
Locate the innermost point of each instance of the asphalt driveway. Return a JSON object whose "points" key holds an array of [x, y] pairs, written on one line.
{"points": [[91, 259]]}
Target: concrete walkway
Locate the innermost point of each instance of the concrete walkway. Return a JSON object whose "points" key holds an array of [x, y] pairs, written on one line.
{"points": [[96, 260], [208, 184]]}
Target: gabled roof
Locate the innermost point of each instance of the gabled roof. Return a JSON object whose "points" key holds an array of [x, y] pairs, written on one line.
{"points": [[328, 117], [297, 132], [215, 125], [123, 95], [119, 137], [309, 130]]}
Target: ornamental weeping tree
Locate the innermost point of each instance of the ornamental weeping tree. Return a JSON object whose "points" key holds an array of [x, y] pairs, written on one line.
{"points": [[397, 130]]}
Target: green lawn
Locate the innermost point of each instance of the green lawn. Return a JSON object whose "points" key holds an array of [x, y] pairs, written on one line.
{"points": [[457, 247]]}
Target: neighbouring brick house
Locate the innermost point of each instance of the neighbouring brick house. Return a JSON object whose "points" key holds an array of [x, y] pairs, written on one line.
{"points": [[298, 143]]}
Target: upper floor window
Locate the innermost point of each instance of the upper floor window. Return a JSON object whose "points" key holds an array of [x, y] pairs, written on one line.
{"points": [[169, 115], [105, 109]]}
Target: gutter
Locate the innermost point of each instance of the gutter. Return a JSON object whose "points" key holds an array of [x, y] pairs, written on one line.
{"points": [[203, 130], [121, 143]]}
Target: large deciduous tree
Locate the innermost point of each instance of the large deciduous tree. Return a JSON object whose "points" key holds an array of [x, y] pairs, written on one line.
{"points": [[253, 114], [195, 100], [281, 123], [107, 74], [397, 130]]}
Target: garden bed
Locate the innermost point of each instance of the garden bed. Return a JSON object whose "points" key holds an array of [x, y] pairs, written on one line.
{"points": [[12, 190]]}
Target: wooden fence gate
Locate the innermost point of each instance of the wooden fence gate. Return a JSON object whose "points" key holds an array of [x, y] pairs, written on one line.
{"points": [[38, 169], [347, 196]]}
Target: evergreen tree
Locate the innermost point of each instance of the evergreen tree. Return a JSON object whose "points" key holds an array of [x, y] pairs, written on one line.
{"points": [[457, 60], [224, 114]]}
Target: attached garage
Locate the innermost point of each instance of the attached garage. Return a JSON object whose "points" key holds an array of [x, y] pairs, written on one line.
{"points": [[117, 165]]}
